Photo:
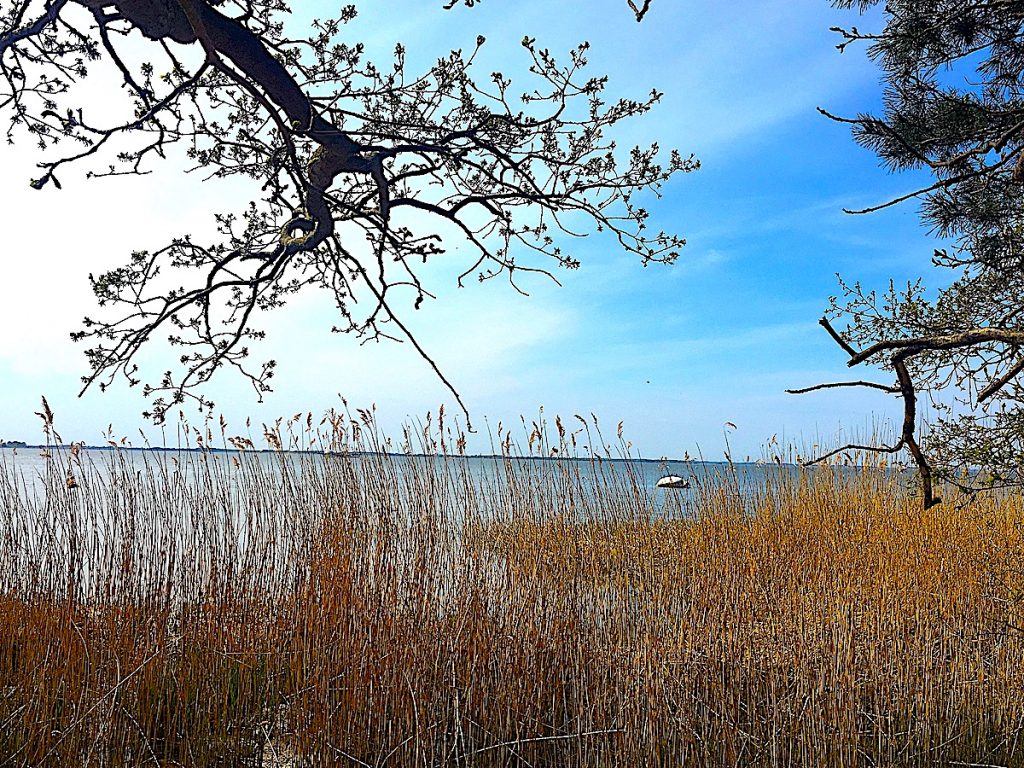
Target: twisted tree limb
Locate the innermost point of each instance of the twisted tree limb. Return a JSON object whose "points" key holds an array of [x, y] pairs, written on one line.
{"points": [[905, 388]]}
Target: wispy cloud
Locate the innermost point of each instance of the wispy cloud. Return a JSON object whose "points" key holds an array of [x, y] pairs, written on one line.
{"points": [[718, 336]]}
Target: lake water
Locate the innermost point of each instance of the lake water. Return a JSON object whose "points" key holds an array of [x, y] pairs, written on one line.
{"points": [[102, 520], [28, 469]]}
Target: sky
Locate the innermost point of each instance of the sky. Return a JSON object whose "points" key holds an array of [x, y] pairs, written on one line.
{"points": [[673, 352]]}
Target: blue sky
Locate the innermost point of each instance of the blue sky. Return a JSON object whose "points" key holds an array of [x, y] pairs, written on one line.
{"points": [[674, 352]]}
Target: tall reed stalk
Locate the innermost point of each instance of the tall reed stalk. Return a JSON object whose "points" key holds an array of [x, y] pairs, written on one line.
{"points": [[351, 607]]}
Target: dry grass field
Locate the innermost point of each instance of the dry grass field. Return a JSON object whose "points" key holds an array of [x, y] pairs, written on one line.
{"points": [[280, 610]]}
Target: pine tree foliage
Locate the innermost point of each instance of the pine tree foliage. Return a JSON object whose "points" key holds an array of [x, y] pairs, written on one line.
{"points": [[953, 107], [359, 168]]}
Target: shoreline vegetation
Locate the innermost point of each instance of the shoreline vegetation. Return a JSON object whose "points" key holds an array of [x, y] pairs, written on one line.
{"points": [[321, 610]]}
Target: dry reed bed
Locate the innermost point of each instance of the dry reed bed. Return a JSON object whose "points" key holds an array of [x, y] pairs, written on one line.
{"points": [[371, 610]]}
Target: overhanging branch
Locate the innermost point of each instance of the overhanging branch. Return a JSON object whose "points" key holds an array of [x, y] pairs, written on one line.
{"points": [[905, 388]]}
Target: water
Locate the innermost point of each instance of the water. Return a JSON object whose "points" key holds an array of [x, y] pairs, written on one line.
{"points": [[101, 520], [28, 467]]}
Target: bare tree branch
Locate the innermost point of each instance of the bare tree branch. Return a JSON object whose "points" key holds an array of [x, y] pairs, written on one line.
{"points": [[342, 151], [835, 384], [907, 390]]}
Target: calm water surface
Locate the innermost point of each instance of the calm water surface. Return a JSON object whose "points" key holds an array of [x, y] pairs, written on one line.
{"points": [[31, 465]]}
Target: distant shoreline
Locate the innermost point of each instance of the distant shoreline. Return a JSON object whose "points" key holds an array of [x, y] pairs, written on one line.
{"points": [[17, 445]]}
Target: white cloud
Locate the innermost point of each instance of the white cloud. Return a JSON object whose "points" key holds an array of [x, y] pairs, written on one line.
{"points": [[731, 76]]}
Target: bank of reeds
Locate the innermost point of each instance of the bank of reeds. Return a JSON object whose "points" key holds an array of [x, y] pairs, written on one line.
{"points": [[202, 609]]}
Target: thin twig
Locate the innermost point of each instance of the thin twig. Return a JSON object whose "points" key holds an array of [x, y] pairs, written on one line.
{"points": [[518, 742], [834, 384]]}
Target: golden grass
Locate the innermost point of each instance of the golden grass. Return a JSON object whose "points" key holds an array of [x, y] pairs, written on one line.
{"points": [[402, 611]]}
